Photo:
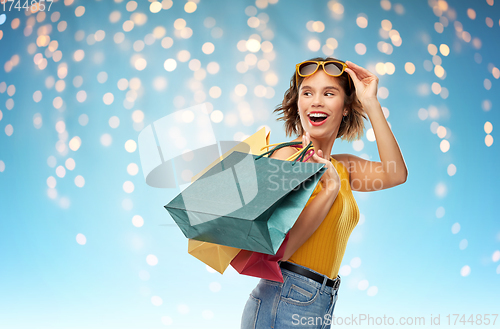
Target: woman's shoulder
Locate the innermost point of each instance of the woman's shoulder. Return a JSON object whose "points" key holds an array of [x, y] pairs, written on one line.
{"points": [[284, 153]]}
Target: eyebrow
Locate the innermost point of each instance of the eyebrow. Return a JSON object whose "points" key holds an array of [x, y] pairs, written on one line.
{"points": [[327, 87]]}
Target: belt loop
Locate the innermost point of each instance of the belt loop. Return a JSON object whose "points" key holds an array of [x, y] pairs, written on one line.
{"points": [[337, 282], [323, 286]]}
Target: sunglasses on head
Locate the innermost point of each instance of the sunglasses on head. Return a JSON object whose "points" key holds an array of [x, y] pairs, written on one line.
{"points": [[332, 68]]}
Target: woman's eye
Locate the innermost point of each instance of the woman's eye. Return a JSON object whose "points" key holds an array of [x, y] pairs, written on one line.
{"points": [[329, 94], [306, 93]]}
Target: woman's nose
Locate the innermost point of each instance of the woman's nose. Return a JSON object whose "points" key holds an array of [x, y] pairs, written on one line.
{"points": [[317, 100]]}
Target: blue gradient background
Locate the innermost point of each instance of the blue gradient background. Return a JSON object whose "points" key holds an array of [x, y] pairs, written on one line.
{"points": [[48, 280]]}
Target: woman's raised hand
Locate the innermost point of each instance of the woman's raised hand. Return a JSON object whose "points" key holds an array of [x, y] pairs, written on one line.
{"points": [[330, 179], [365, 82]]}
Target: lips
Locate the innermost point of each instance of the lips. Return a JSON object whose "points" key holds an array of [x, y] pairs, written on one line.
{"points": [[317, 118]]}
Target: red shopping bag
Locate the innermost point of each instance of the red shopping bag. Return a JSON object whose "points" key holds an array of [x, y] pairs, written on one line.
{"points": [[260, 265]]}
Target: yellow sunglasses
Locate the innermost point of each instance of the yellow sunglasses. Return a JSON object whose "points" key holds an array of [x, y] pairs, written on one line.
{"points": [[332, 68]]}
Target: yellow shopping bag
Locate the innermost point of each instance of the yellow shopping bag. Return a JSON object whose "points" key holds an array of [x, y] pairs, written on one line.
{"points": [[214, 255]]}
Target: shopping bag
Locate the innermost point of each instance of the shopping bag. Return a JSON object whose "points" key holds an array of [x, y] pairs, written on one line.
{"points": [[214, 255], [260, 265], [254, 144], [246, 201]]}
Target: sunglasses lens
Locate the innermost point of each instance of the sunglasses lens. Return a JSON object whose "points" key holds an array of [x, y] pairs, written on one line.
{"points": [[334, 69], [307, 68]]}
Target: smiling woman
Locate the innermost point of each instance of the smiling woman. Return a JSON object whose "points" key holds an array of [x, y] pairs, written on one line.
{"points": [[352, 126], [327, 99]]}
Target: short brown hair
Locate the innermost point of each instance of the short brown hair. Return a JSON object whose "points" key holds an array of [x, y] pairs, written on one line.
{"points": [[351, 130]]}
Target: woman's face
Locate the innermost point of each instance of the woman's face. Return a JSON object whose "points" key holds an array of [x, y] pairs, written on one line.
{"points": [[323, 95]]}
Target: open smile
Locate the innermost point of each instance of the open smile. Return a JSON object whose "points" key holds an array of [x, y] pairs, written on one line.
{"points": [[317, 118]]}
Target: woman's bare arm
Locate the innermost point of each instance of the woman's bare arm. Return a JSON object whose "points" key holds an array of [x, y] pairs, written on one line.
{"points": [[391, 170]]}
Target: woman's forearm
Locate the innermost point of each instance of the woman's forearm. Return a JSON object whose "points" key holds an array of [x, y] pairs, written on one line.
{"points": [[388, 149], [309, 220]]}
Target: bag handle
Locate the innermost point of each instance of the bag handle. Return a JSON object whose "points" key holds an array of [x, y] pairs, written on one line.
{"points": [[305, 151], [299, 155]]}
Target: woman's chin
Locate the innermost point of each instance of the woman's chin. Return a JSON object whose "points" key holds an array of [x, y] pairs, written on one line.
{"points": [[320, 132]]}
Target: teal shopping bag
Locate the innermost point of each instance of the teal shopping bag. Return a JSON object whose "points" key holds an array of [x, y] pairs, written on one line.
{"points": [[246, 201]]}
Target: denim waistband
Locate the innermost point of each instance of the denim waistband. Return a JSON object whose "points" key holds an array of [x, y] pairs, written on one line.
{"points": [[311, 282]]}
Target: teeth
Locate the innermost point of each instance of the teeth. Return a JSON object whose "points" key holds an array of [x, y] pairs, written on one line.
{"points": [[318, 115]]}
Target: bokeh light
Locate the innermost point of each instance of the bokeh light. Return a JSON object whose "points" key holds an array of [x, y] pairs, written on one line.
{"points": [[84, 75], [81, 239]]}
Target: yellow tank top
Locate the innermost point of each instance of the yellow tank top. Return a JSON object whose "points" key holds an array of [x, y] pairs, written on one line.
{"points": [[325, 248]]}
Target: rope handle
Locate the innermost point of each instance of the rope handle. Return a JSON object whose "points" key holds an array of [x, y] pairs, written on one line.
{"points": [[311, 151], [310, 155], [299, 155]]}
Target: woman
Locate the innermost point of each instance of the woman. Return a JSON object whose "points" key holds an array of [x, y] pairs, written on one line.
{"points": [[327, 99]]}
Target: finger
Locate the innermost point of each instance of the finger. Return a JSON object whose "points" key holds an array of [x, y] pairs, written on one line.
{"points": [[356, 67], [353, 76], [318, 158], [320, 154], [309, 140], [361, 71]]}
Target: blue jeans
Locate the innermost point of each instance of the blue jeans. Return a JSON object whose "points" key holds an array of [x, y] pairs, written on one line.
{"points": [[297, 302]]}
